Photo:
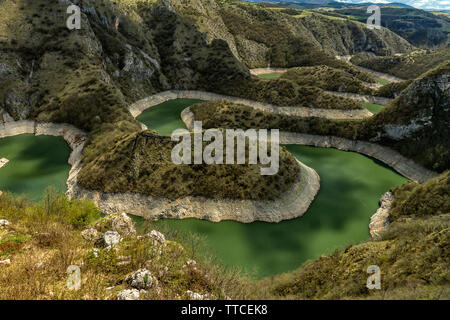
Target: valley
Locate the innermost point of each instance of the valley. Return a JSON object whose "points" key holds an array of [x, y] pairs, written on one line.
{"points": [[87, 137]]}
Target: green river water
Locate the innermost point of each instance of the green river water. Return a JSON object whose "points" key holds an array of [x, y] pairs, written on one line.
{"points": [[35, 162], [351, 185]]}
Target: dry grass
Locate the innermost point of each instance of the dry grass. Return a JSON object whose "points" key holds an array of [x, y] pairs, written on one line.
{"points": [[46, 245]]}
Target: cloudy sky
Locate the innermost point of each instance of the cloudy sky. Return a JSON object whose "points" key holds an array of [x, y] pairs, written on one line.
{"points": [[421, 4]]}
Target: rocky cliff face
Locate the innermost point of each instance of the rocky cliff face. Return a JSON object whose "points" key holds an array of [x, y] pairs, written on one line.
{"points": [[123, 51], [418, 122], [255, 46]]}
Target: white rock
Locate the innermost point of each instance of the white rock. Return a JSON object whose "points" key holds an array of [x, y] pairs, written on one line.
{"points": [[197, 296], [5, 262], [123, 260], [3, 161], [157, 237], [191, 262], [119, 222], [109, 239], [123, 225], [128, 294], [4, 223], [141, 279], [90, 234]]}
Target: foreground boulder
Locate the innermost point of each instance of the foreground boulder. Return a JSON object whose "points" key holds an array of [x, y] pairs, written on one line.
{"points": [[109, 239], [123, 225], [141, 279], [157, 237], [197, 296], [379, 222], [90, 234], [128, 294], [119, 222]]}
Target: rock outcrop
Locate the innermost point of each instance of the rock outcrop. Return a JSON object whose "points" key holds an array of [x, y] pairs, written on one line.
{"points": [[260, 71], [141, 279], [109, 240], [90, 234], [3, 162], [128, 294], [380, 220]]}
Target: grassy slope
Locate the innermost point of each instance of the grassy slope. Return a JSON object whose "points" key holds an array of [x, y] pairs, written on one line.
{"points": [[409, 66], [393, 89], [327, 78], [413, 254], [421, 110], [271, 26], [44, 239], [143, 164]]}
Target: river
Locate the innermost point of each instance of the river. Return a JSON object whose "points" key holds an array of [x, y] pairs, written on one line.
{"points": [[351, 185]]}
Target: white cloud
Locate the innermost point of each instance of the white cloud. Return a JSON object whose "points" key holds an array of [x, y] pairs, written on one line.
{"points": [[421, 4]]}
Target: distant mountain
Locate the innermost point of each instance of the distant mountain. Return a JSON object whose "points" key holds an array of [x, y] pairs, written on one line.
{"points": [[419, 4], [419, 27]]}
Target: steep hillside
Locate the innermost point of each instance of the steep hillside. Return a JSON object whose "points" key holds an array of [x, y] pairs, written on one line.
{"points": [[40, 241], [124, 51], [417, 123], [409, 66], [285, 38], [419, 27], [412, 254], [327, 78]]}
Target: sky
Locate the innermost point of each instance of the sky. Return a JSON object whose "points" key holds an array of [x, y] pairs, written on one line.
{"points": [[420, 4]]}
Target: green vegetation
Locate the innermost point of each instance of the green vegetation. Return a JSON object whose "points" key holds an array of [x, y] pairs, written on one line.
{"points": [[425, 103], [419, 27], [290, 243], [412, 255], [284, 92], [42, 242], [269, 76], [142, 163], [293, 38], [420, 201], [393, 89], [327, 78], [337, 217], [44, 239], [382, 81], [87, 78], [374, 108], [408, 66]]}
